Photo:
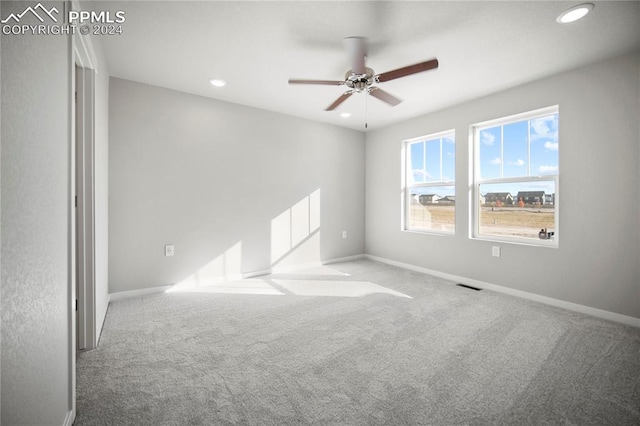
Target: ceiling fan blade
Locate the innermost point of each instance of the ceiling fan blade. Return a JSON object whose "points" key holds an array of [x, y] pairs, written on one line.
{"points": [[322, 82], [340, 100], [357, 49], [387, 97], [405, 71]]}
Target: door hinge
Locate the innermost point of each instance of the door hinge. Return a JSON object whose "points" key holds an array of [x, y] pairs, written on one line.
{"points": [[76, 201], [76, 305]]}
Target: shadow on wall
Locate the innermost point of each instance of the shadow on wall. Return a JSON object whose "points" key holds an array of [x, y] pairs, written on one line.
{"points": [[295, 248]]}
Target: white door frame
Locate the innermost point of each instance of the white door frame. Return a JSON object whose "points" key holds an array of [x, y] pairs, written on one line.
{"points": [[85, 208], [84, 145], [82, 55]]}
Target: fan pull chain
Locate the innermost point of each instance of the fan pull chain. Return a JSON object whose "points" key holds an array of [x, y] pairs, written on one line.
{"points": [[366, 104]]}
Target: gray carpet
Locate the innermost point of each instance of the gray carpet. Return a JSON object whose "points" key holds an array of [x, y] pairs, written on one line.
{"points": [[291, 354]]}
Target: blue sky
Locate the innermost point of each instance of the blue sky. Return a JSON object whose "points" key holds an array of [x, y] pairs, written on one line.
{"points": [[520, 149], [503, 149], [439, 163], [523, 148]]}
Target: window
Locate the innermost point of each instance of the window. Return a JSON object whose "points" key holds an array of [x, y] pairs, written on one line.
{"points": [[516, 178], [429, 177]]}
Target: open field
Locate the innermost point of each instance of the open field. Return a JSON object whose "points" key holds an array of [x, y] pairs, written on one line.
{"points": [[507, 221], [432, 217], [514, 221]]}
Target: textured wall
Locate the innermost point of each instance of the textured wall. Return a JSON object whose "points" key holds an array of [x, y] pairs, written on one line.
{"points": [[220, 181], [596, 264], [35, 227]]}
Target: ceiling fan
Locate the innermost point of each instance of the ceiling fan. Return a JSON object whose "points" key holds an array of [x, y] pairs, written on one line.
{"points": [[362, 79]]}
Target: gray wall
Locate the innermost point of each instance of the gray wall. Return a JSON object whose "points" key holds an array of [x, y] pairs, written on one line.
{"points": [[206, 175], [596, 264], [35, 227]]}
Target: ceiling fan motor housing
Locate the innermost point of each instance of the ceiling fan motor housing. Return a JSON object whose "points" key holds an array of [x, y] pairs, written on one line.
{"points": [[359, 82]]}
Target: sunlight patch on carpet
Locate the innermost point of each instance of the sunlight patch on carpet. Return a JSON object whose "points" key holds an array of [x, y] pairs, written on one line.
{"points": [[335, 288], [249, 286]]}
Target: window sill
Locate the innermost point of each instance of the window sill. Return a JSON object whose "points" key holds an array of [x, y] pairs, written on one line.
{"points": [[552, 243], [431, 232]]}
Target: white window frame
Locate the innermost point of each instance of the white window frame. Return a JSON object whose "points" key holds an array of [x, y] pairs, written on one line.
{"points": [[477, 180], [406, 193]]}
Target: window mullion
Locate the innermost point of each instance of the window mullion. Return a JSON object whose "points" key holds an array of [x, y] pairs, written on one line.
{"points": [[528, 147], [424, 160], [501, 151], [544, 178], [441, 160]]}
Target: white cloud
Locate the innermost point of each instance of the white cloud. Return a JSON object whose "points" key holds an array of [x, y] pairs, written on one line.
{"points": [[496, 160], [518, 162], [544, 127], [548, 169], [487, 138], [540, 127], [551, 146], [421, 173]]}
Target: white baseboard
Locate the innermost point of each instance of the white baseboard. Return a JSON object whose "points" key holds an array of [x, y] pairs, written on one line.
{"points": [[69, 419], [293, 268], [611, 316], [120, 295], [100, 320], [254, 274], [344, 259]]}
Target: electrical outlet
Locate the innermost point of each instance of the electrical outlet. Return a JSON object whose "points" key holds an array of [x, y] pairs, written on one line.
{"points": [[169, 250], [344, 234], [495, 251]]}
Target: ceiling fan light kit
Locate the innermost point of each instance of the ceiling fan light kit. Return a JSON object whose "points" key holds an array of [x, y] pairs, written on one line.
{"points": [[359, 82], [362, 79]]}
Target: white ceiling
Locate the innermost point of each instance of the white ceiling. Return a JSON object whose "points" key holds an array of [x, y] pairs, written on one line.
{"points": [[482, 47]]}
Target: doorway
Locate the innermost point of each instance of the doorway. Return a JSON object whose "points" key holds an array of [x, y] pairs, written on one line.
{"points": [[85, 207]]}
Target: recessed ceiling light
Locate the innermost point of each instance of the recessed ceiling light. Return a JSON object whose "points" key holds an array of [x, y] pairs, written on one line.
{"points": [[216, 82], [574, 13], [345, 115]]}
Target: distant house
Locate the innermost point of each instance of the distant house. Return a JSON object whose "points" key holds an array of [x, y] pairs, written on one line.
{"points": [[447, 199], [550, 199], [504, 197], [532, 197], [429, 199]]}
